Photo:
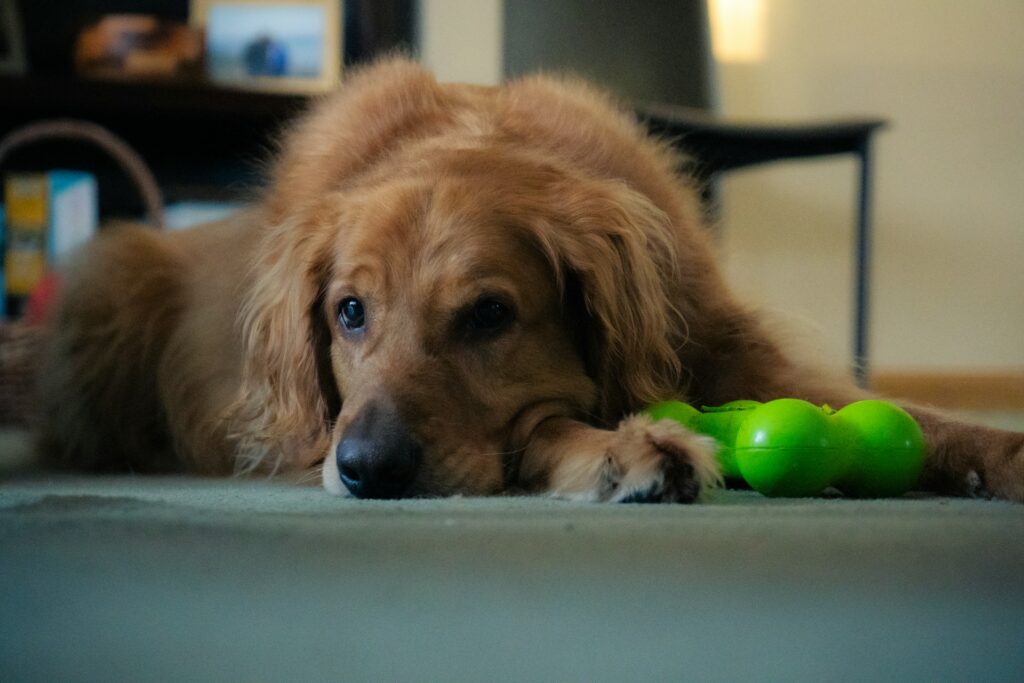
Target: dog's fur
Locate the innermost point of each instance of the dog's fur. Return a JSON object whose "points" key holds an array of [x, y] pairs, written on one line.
{"points": [[219, 349]]}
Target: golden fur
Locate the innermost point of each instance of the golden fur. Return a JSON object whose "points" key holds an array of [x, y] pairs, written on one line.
{"points": [[218, 349]]}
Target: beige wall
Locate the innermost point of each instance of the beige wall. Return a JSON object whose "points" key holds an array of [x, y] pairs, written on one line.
{"points": [[461, 39], [949, 211]]}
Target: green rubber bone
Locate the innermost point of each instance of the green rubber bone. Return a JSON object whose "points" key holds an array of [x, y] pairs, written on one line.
{"points": [[789, 447]]}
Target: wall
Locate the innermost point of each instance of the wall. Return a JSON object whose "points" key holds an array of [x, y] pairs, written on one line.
{"points": [[461, 40], [949, 211]]}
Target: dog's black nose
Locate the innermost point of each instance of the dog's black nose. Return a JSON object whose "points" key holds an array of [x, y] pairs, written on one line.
{"points": [[377, 457]]}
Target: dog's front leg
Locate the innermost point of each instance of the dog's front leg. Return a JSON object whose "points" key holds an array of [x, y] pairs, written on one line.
{"points": [[640, 461]]}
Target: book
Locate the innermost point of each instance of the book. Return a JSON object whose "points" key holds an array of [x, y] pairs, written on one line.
{"points": [[47, 217]]}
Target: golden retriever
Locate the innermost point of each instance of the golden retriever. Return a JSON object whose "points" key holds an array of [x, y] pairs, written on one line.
{"points": [[447, 289]]}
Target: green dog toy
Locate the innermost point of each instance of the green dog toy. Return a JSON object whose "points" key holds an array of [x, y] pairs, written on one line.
{"points": [[789, 447]]}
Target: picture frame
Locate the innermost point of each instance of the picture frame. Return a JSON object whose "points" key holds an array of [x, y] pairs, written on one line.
{"points": [[12, 40], [288, 46]]}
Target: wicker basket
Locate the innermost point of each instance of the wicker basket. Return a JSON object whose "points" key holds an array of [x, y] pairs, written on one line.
{"points": [[21, 343], [20, 347]]}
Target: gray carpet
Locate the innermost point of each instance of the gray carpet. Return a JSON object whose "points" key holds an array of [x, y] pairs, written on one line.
{"points": [[139, 579]]}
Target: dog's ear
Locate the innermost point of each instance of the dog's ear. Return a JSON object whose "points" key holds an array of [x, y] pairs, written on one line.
{"points": [[282, 411], [613, 254]]}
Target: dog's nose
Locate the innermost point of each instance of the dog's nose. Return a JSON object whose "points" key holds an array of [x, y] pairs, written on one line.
{"points": [[377, 457]]}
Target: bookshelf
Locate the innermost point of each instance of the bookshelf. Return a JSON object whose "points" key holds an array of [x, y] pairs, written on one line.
{"points": [[202, 141]]}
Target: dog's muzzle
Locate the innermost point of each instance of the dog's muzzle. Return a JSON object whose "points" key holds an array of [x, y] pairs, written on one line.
{"points": [[377, 456]]}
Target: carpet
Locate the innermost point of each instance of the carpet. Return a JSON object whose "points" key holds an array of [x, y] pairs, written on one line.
{"points": [[179, 579]]}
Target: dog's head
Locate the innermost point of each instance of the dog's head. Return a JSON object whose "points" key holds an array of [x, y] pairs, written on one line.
{"points": [[411, 323]]}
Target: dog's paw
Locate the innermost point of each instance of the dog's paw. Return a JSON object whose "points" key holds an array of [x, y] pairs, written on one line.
{"points": [[991, 466], [659, 462], [1004, 471]]}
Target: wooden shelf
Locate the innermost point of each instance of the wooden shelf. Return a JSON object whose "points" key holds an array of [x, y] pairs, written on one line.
{"points": [[76, 96], [202, 141]]}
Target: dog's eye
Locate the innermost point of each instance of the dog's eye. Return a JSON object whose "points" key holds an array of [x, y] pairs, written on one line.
{"points": [[490, 315], [351, 313]]}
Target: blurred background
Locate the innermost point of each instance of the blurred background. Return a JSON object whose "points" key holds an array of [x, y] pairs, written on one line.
{"points": [[947, 316]]}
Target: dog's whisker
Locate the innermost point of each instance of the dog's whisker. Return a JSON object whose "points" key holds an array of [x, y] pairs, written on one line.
{"points": [[515, 451], [310, 476], [595, 419]]}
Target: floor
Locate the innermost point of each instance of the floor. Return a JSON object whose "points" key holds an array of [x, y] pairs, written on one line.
{"points": [[185, 579], [171, 579]]}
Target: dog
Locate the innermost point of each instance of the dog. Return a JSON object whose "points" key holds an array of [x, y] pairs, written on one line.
{"points": [[446, 289]]}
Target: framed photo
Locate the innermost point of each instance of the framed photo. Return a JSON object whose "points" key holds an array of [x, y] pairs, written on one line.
{"points": [[12, 40], [279, 45]]}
